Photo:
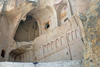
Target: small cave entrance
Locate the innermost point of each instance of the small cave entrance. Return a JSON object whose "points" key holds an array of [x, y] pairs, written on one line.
{"points": [[3, 53], [16, 55], [27, 30]]}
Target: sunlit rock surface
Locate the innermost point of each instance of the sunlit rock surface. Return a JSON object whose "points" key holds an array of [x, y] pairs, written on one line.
{"points": [[76, 63]]}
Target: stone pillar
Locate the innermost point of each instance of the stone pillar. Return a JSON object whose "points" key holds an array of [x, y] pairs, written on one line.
{"points": [[28, 55], [22, 57], [10, 57], [31, 55], [25, 56]]}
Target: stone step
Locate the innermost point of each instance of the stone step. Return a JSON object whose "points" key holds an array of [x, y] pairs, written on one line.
{"points": [[69, 63]]}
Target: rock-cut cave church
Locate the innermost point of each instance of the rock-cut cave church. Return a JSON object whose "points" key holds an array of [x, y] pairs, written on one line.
{"points": [[50, 31]]}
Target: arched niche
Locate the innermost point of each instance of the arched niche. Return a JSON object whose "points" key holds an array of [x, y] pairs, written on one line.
{"points": [[27, 30], [62, 13], [69, 37], [49, 47], [58, 43], [77, 33], [44, 49], [39, 17], [73, 35], [53, 46], [63, 41]]}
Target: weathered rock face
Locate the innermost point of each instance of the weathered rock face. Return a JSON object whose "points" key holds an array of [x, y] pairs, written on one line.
{"points": [[57, 36], [91, 23]]}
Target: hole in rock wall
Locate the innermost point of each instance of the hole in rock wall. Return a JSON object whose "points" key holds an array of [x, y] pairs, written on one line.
{"points": [[65, 19], [29, 17], [47, 25], [3, 53], [27, 30]]}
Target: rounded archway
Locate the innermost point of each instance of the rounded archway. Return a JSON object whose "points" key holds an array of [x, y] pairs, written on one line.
{"points": [[27, 30], [62, 13], [38, 22]]}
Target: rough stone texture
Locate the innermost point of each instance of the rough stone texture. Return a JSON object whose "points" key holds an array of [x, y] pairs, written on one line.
{"points": [[90, 29], [91, 23], [76, 63], [54, 34]]}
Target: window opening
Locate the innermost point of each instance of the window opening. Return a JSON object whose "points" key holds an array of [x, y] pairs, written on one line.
{"points": [[65, 19], [47, 25], [3, 53]]}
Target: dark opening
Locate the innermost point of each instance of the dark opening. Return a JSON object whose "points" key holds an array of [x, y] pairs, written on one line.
{"points": [[47, 25], [35, 25], [3, 53], [21, 22], [65, 19], [27, 30], [29, 17]]}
